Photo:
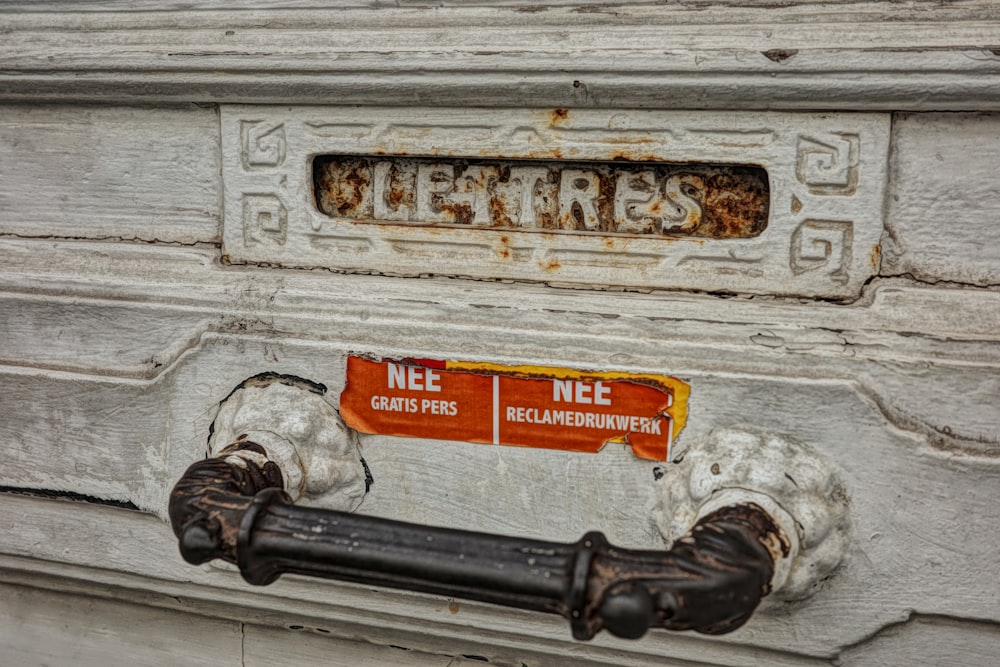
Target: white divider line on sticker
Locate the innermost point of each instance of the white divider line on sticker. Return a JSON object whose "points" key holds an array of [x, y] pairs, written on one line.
{"points": [[670, 429], [496, 409]]}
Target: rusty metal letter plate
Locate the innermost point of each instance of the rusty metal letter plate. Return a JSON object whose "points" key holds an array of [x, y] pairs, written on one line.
{"points": [[606, 199], [768, 203]]}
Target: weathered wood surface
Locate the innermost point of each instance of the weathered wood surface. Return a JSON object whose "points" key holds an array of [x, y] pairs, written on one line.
{"points": [[147, 174], [928, 640], [298, 618], [266, 646], [942, 217], [39, 627], [869, 55], [110, 172], [51, 627], [115, 352], [859, 382], [969, 7]]}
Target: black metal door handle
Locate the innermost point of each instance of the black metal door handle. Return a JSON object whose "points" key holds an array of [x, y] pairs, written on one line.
{"points": [[711, 580]]}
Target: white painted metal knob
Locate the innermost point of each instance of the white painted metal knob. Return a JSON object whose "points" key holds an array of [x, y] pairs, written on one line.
{"points": [[794, 483], [318, 455]]}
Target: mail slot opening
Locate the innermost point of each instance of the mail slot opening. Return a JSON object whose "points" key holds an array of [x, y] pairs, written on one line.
{"points": [[618, 198]]}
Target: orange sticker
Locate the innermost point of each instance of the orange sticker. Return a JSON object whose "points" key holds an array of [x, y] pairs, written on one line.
{"points": [[526, 406]]}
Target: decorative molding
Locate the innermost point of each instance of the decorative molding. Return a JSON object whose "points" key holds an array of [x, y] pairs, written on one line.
{"points": [[455, 54], [822, 244], [265, 220], [828, 166], [263, 144]]}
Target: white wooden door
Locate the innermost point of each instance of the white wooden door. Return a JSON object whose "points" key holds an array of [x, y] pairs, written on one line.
{"points": [[160, 243]]}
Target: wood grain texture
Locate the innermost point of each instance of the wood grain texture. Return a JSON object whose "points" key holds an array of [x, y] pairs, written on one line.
{"points": [[928, 640], [301, 646], [110, 172], [39, 627], [122, 339], [587, 6], [851, 380], [135, 563], [135, 560], [943, 207], [928, 55], [48, 627]]}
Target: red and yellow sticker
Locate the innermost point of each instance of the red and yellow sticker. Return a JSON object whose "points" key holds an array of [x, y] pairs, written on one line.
{"points": [[525, 406]]}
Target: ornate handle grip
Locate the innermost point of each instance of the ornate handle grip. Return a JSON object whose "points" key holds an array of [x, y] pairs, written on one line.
{"points": [[711, 580]]}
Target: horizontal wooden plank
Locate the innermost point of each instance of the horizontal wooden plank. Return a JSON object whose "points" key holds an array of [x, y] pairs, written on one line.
{"points": [[135, 560], [803, 56], [50, 627], [120, 339], [583, 6], [191, 280], [43, 627], [885, 339], [928, 640], [308, 646], [111, 172]]}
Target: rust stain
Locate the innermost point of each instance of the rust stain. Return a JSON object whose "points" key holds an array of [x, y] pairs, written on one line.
{"points": [[796, 204], [628, 196], [545, 154], [453, 607], [354, 184], [551, 265], [505, 247], [626, 155], [736, 205], [558, 116], [876, 257], [633, 140], [460, 214], [498, 212]]}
